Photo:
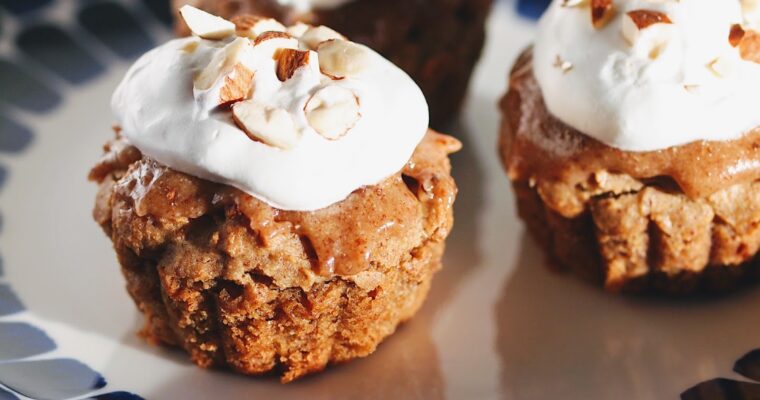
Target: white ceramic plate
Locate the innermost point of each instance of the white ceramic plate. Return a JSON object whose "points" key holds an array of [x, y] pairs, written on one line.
{"points": [[497, 325]]}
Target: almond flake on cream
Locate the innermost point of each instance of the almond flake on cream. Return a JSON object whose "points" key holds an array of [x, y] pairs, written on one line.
{"points": [[298, 117], [648, 75]]}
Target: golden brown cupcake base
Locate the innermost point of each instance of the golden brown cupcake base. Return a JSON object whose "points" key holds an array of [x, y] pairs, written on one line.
{"points": [[437, 42], [236, 283], [631, 229], [677, 247]]}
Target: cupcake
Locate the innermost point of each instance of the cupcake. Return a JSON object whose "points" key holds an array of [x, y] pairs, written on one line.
{"points": [[437, 42], [631, 138], [276, 200]]}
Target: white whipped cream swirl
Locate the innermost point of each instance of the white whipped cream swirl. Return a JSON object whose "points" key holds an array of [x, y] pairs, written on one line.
{"points": [[657, 91], [160, 115]]}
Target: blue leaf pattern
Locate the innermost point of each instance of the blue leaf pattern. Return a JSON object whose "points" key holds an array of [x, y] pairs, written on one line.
{"points": [[55, 49], [6, 395], [20, 7], [49, 49], [14, 137], [27, 340], [9, 302], [63, 378], [116, 28], [117, 396]]}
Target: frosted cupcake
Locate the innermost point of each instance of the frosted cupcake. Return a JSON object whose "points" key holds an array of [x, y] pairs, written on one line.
{"points": [[631, 138], [437, 42], [273, 195]]}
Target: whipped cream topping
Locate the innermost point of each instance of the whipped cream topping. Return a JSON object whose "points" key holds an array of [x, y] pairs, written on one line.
{"points": [[307, 5], [668, 78], [169, 109]]}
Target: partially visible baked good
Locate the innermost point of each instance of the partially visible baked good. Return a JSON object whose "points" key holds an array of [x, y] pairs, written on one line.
{"points": [[274, 196], [238, 283], [631, 211]]}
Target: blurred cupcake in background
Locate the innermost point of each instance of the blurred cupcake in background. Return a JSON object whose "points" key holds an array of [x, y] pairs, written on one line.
{"points": [[631, 136]]}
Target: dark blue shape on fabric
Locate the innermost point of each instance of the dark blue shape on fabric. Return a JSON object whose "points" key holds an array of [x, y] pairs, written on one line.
{"points": [[14, 137], [20, 89], [21, 340], [54, 48], [9, 302], [532, 9], [54, 379], [116, 28]]}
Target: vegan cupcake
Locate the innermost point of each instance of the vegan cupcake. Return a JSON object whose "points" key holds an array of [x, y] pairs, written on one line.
{"points": [[437, 42], [274, 196], [631, 137]]}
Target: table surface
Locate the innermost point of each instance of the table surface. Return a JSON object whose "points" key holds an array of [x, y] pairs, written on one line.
{"points": [[497, 324]]}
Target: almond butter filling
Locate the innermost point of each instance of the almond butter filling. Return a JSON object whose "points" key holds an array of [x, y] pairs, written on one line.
{"points": [[544, 150]]}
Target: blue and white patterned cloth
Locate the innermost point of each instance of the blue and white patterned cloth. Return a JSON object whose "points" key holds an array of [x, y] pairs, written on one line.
{"points": [[43, 57]]}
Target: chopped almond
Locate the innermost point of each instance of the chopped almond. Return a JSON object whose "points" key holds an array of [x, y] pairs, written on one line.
{"points": [[289, 60], [315, 35], [602, 12], [206, 25], [637, 20], [270, 43], [251, 26], [266, 124], [341, 58], [736, 35], [333, 111], [227, 65]]}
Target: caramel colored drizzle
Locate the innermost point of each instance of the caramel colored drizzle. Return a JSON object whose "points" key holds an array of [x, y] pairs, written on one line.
{"points": [[538, 146], [343, 239]]}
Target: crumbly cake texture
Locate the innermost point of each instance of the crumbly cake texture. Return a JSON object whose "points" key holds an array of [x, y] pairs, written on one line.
{"points": [[437, 42], [629, 234], [235, 283]]}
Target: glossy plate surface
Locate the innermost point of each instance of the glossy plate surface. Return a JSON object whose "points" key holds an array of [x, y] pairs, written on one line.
{"points": [[497, 324]]}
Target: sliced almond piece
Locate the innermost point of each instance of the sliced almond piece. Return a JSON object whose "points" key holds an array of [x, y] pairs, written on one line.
{"points": [[227, 65], [289, 60], [315, 35], [333, 111], [736, 35], [237, 85], [268, 43], [266, 124], [602, 12], [637, 20], [251, 26], [206, 25], [298, 30], [340, 58], [272, 35]]}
